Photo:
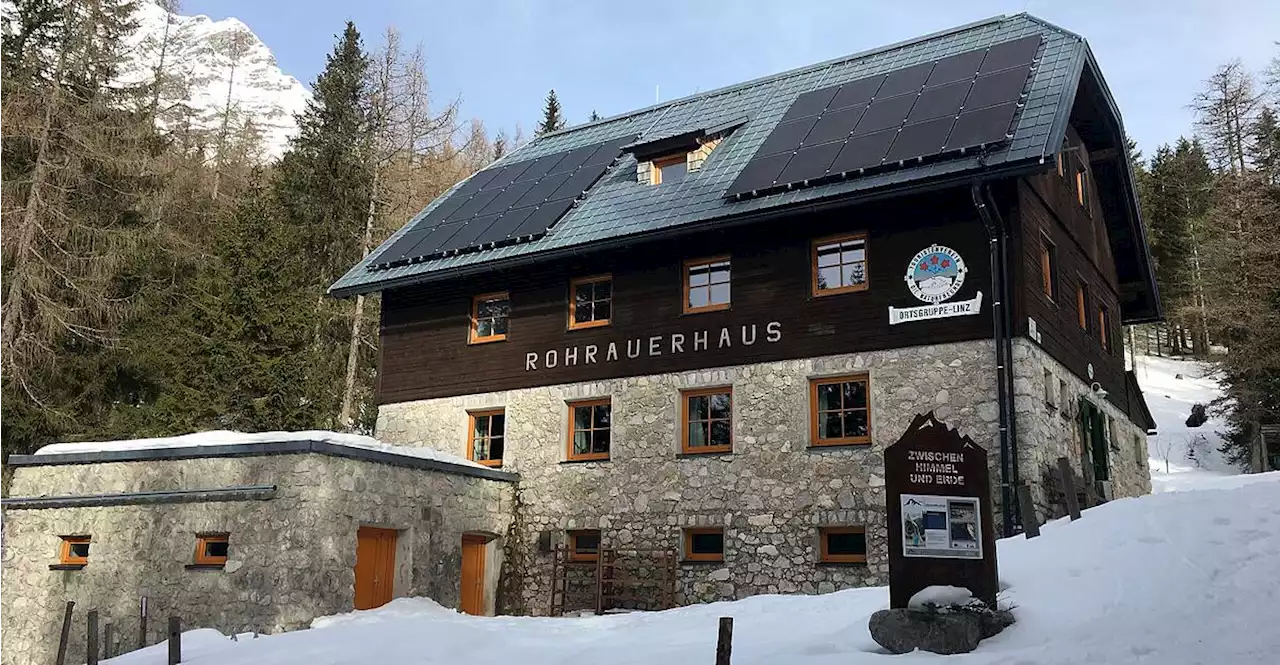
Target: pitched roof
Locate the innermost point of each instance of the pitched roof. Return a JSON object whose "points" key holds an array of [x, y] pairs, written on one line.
{"points": [[618, 209]]}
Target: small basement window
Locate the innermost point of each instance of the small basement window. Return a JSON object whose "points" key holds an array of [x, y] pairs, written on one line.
{"points": [[74, 550], [212, 549], [704, 544], [485, 437], [584, 545], [671, 169], [843, 544], [489, 314]]}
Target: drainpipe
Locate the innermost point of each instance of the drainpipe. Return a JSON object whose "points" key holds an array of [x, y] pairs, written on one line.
{"points": [[1002, 329]]}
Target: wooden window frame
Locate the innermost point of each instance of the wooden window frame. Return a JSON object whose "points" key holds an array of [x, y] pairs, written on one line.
{"points": [[574, 324], [472, 338], [587, 457], [571, 543], [471, 435], [684, 293], [690, 555], [813, 265], [656, 166], [814, 439], [1081, 184], [684, 421], [202, 541], [1104, 327], [1048, 268], [1082, 304], [824, 556], [66, 558]]}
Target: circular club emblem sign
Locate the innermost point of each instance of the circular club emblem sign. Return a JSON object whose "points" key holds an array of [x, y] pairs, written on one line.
{"points": [[935, 274]]}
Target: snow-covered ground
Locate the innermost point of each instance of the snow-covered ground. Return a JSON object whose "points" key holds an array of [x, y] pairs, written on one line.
{"points": [[1176, 578], [1183, 457]]}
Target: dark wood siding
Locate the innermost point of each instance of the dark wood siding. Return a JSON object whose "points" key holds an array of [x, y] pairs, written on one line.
{"points": [[1048, 207], [424, 329]]}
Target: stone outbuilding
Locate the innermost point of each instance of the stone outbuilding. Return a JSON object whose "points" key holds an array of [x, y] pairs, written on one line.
{"points": [[242, 533]]}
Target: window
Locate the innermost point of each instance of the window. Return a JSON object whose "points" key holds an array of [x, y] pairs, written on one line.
{"points": [[489, 313], [1082, 304], [1048, 389], [840, 264], [708, 421], [704, 544], [1048, 268], [1063, 400], [1138, 457], [589, 425], [485, 437], [211, 549], [1082, 186], [706, 284], [584, 545], [842, 544], [670, 170], [74, 551], [840, 411], [590, 302], [1104, 327]]}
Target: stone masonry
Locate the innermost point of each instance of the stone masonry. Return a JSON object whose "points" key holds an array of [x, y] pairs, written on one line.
{"points": [[770, 494], [291, 557]]}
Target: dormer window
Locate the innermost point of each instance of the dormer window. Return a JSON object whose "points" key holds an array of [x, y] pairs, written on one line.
{"points": [[671, 169]]}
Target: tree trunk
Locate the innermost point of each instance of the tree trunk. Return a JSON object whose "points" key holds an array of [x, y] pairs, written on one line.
{"points": [[346, 415]]}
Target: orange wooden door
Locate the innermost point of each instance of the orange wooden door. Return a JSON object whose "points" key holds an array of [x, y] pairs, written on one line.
{"points": [[375, 567], [472, 601]]}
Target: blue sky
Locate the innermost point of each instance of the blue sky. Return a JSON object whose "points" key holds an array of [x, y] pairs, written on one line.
{"points": [[499, 57]]}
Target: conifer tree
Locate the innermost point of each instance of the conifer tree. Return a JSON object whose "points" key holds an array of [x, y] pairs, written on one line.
{"points": [[552, 116], [594, 116]]}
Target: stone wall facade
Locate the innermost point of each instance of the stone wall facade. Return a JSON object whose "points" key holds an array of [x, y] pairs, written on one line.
{"points": [[291, 557], [770, 494]]}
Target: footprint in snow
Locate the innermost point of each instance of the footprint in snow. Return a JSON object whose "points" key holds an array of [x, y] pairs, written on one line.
{"points": [[1222, 521]]}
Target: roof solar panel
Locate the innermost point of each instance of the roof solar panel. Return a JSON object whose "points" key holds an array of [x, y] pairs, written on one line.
{"points": [[923, 139], [939, 101], [834, 125], [469, 233], [787, 136], [481, 199], [989, 125], [907, 79], [508, 222], [540, 167], [542, 218], [760, 173], [959, 67], [864, 151], [579, 182], [573, 159], [508, 197], [998, 88], [608, 151], [508, 175], [885, 113], [810, 162], [809, 103], [477, 182], [542, 190], [432, 239], [446, 208], [1011, 54], [857, 92], [402, 245]]}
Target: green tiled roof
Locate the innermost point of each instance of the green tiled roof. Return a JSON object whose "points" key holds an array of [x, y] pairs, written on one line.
{"points": [[618, 207]]}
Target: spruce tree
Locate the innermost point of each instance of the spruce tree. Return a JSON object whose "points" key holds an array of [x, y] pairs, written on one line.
{"points": [[552, 116], [594, 116]]}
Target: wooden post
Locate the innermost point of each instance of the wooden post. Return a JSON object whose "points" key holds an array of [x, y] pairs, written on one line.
{"points": [[91, 639], [108, 633], [724, 643], [142, 622], [175, 640], [66, 633], [1069, 488], [1030, 524]]}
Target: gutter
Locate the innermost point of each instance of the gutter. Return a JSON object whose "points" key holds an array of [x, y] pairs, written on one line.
{"points": [[1002, 329], [242, 493]]}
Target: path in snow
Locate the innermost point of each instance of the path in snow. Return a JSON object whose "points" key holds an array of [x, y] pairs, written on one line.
{"points": [[1185, 577], [1170, 400]]}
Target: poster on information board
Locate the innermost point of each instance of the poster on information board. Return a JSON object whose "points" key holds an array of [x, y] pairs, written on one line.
{"points": [[946, 527]]}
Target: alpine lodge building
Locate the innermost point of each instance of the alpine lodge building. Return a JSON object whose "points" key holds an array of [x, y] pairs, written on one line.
{"points": [[691, 330]]}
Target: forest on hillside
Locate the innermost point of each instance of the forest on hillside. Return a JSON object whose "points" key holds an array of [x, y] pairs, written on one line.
{"points": [[160, 278]]}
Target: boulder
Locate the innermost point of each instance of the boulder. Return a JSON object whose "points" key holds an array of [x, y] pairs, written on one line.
{"points": [[943, 631]]}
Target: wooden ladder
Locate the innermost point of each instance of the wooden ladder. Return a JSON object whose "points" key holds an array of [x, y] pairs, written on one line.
{"points": [[559, 581]]}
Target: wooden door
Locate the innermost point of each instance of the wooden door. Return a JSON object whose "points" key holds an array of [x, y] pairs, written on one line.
{"points": [[472, 592], [375, 567]]}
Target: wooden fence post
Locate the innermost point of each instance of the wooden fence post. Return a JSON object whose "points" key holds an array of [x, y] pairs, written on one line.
{"points": [[91, 639], [724, 643], [142, 622], [108, 634], [66, 633], [175, 640], [1069, 488], [1027, 507]]}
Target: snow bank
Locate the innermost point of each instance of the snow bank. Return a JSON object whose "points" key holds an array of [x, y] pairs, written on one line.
{"points": [[941, 596], [1185, 577], [1174, 467], [230, 438]]}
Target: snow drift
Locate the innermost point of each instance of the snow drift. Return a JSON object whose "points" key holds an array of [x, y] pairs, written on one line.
{"points": [[1185, 577]]}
